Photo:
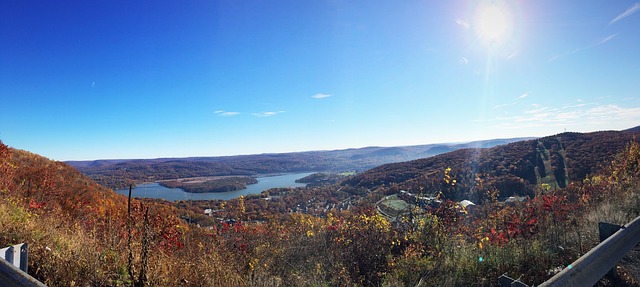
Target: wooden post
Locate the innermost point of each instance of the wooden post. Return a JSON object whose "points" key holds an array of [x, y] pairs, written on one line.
{"points": [[129, 202], [130, 266]]}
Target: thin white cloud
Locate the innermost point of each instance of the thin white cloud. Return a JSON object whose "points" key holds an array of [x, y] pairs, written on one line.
{"points": [[590, 115], [266, 114], [225, 113], [614, 113], [604, 40], [320, 96], [514, 54], [512, 103], [463, 61], [567, 116], [503, 106], [556, 57], [635, 7], [574, 106], [462, 23], [598, 43], [537, 109], [93, 84]]}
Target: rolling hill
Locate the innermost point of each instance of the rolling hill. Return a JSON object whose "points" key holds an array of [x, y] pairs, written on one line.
{"points": [[517, 168], [80, 233], [73, 224], [120, 173]]}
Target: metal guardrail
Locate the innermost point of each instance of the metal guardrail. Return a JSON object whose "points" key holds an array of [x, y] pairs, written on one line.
{"points": [[16, 255], [616, 242], [591, 267], [13, 267]]}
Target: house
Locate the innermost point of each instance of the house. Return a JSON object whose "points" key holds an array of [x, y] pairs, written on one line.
{"points": [[467, 204]]}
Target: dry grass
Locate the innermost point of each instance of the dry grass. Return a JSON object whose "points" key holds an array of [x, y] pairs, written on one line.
{"points": [[90, 247], [63, 254]]}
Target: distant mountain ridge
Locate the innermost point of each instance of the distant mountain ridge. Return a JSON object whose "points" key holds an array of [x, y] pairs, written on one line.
{"points": [[119, 173], [516, 168]]}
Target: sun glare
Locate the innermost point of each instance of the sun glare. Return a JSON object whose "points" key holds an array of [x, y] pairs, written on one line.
{"points": [[493, 24]]}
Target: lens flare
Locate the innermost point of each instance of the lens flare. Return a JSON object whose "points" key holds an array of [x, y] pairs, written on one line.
{"points": [[494, 23]]}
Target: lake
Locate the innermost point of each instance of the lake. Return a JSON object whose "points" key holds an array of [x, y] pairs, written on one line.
{"points": [[155, 190]]}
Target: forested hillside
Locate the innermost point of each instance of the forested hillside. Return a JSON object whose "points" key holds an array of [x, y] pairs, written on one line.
{"points": [[81, 234], [121, 173], [78, 231], [511, 169]]}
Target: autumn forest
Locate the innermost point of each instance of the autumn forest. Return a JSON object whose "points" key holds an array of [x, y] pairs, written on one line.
{"points": [[395, 224]]}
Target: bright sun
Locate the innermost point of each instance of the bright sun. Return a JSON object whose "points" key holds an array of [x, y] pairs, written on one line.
{"points": [[493, 24]]}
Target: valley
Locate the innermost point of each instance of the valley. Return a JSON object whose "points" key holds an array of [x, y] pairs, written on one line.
{"points": [[319, 143], [511, 205], [121, 173]]}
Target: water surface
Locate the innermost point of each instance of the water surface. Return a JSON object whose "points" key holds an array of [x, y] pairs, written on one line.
{"points": [[155, 190]]}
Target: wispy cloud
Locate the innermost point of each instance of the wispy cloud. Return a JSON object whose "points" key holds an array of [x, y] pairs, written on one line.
{"points": [[512, 103], [592, 115], [462, 23], [598, 43], [613, 112], [225, 113], [266, 114], [537, 109], [603, 40], [514, 54], [503, 106], [320, 96], [574, 106], [635, 7], [463, 61]]}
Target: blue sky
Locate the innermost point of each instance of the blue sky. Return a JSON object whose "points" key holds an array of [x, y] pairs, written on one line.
{"points": [[144, 79]]}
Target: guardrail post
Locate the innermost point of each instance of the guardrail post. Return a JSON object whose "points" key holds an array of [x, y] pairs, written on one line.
{"points": [[592, 266], [16, 255], [13, 267], [7, 254], [605, 230], [24, 257]]}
